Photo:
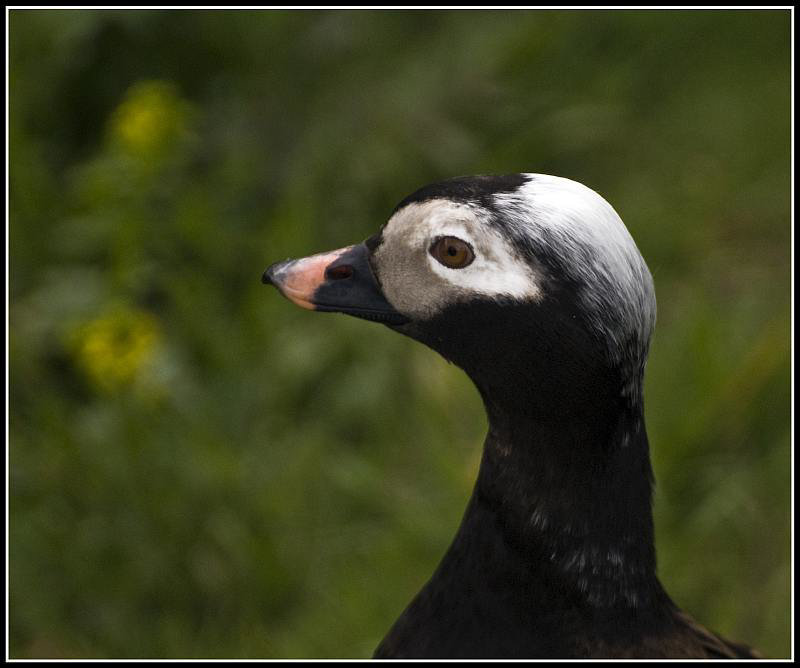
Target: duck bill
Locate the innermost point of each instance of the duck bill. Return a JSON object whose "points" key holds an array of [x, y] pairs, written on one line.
{"points": [[340, 281]]}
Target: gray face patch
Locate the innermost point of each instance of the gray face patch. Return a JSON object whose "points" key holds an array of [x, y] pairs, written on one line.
{"points": [[419, 286]]}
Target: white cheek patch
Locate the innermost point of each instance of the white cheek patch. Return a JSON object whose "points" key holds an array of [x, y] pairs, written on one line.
{"points": [[495, 272], [419, 285]]}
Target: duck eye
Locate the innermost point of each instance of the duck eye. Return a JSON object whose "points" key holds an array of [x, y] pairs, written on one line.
{"points": [[452, 252]]}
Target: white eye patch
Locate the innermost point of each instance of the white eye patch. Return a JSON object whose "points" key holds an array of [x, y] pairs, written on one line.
{"points": [[494, 272], [418, 285]]}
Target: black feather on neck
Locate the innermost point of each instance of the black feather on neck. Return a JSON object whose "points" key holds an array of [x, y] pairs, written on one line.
{"points": [[557, 541]]}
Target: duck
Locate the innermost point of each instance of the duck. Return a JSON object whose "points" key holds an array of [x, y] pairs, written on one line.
{"points": [[534, 287]]}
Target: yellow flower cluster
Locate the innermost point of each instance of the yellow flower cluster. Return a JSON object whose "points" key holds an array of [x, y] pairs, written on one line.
{"points": [[150, 119], [114, 348]]}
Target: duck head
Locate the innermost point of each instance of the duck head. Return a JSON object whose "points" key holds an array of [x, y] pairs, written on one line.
{"points": [[530, 283]]}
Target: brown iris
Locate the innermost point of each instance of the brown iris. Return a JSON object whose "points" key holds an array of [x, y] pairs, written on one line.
{"points": [[452, 252]]}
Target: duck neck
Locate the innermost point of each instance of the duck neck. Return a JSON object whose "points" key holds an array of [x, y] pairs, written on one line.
{"points": [[566, 469], [572, 495]]}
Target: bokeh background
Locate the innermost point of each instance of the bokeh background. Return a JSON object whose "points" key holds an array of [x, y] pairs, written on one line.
{"points": [[200, 469]]}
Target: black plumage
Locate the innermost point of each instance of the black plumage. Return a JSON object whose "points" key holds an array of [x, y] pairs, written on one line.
{"points": [[555, 555]]}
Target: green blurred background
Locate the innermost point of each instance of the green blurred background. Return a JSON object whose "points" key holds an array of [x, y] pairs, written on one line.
{"points": [[201, 469]]}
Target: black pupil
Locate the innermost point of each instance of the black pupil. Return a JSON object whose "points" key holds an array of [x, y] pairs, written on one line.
{"points": [[452, 251]]}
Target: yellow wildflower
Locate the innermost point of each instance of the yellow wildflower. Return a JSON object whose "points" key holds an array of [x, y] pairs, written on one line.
{"points": [[114, 348], [150, 119]]}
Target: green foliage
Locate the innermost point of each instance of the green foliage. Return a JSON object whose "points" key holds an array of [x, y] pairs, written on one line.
{"points": [[200, 469]]}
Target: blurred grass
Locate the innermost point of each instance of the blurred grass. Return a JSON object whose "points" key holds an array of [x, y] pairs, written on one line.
{"points": [[199, 469]]}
